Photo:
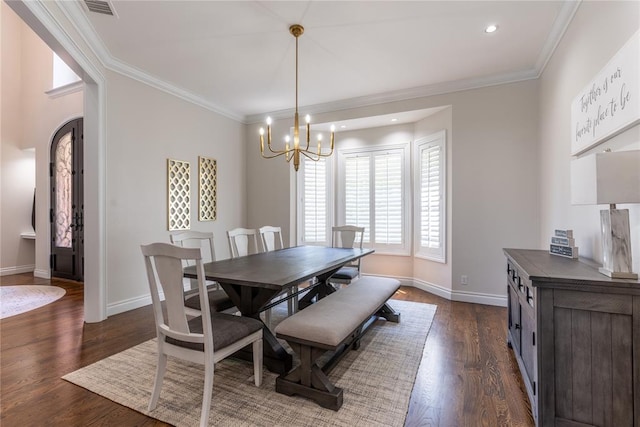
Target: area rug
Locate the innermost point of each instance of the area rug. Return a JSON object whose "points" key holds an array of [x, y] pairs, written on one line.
{"points": [[377, 382], [20, 299]]}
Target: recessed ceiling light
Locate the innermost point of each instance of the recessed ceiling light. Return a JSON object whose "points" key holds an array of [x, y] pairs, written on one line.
{"points": [[343, 126], [394, 120], [491, 29]]}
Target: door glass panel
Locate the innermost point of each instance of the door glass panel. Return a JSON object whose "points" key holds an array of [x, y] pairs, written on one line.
{"points": [[63, 204]]}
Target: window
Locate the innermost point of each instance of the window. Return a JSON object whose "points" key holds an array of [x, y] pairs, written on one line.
{"points": [[356, 185], [372, 190], [429, 197], [314, 202], [64, 81], [62, 74]]}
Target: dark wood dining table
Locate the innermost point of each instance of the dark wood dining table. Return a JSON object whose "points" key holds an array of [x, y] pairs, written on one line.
{"points": [[253, 281]]}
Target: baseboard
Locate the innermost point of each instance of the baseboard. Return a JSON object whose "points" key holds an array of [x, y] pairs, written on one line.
{"points": [[454, 295], [432, 288], [472, 297], [130, 304], [42, 274], [480, 298], [8, 271]]}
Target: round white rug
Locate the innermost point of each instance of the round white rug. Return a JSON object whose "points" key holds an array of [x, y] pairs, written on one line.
{"points": [[19, 299]]}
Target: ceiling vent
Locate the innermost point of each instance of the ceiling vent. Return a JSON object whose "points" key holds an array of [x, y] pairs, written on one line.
{"points": [[100, 6]]}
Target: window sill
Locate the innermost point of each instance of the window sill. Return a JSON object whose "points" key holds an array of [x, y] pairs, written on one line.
{"points": [[31, 235], [67, 89], [430, 258], [385, 253]]}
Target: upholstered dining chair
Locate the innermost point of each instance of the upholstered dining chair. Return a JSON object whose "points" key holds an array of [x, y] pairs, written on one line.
{"points": [[242, 241], [218, 299], [271, 238], [205, 339], [347, 236]]}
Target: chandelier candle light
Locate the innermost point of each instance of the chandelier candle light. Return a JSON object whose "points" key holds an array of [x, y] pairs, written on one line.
{"points": [[295, 151]]}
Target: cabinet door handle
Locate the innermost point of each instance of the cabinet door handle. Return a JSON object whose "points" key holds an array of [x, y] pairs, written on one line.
{"points": [[517, 326]]}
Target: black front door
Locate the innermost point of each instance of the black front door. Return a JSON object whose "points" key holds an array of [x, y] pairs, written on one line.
{"points": [[67, 205]]}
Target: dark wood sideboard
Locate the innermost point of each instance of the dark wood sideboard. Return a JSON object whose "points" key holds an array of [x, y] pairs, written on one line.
{"points": [[576, 336]]}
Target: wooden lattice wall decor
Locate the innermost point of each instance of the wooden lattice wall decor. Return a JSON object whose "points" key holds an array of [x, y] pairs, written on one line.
{"points": [[207, 188], [178, 195]]}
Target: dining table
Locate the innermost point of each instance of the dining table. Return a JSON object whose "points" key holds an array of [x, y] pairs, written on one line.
{"points": [[253, 281]]}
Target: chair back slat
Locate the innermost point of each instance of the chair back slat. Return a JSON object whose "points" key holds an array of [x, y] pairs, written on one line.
{"points": [[196, 239], [164, 271], [271, 238], [242, 242], [347, 236]]}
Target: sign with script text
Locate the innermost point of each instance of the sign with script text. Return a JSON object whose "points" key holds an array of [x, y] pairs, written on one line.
{"points": [[610, 103]]}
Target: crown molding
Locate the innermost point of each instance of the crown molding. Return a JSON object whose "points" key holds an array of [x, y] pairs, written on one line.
{"points": [[567, 12], [76, 14], [560, 27], [401, 95], [141, 76]]}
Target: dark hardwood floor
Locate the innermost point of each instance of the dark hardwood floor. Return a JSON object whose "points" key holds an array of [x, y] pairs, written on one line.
{"points": [[467, 377]]}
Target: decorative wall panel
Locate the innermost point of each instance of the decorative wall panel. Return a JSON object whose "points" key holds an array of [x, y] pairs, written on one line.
{"points": [[178, 195], [207, 188]]}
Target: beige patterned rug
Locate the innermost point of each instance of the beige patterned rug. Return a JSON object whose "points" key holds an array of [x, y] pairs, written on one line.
{"points": [[377, 382], [20, 299]]}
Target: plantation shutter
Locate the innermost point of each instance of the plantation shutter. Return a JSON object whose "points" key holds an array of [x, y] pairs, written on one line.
{"points": [[314, 214], [388, 198], [429, 166], [431, 197], [357, 193]]}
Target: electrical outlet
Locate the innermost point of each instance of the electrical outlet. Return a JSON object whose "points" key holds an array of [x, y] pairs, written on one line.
{"points": [[464, 280]]}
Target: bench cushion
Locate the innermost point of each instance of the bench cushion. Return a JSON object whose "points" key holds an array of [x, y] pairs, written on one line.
{"points": [[335, 317]]}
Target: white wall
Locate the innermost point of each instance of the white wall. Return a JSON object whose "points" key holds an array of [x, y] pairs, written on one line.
{"points": [[494, 182], [145, 127], [428, 274], [17, 174], [29, 120], [509, 163], [596, 33], [268, 197], [393, 265], [495, 192], [141, 127]]}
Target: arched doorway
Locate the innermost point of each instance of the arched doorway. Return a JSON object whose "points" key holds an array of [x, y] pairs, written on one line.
{"points": [[66, 176]]}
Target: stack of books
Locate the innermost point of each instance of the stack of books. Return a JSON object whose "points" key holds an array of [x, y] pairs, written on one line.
{"points": [[563, 244]]}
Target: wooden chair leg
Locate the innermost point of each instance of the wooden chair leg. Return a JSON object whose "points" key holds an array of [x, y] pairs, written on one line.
{"points": [[257, 362], [206, 394], [157, 384]]}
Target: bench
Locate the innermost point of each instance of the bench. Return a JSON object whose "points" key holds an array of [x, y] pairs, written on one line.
{"points": [[333, 324]]}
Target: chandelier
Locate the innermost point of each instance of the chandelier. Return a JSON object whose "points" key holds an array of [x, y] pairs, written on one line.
{"points": [[293, 152]]}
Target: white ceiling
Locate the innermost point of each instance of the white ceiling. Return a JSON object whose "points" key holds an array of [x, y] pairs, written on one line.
{"points": [[237, 57]]}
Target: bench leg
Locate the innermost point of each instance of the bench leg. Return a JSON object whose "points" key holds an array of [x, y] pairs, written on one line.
{"points": [[389, 313], [308, 380]]}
